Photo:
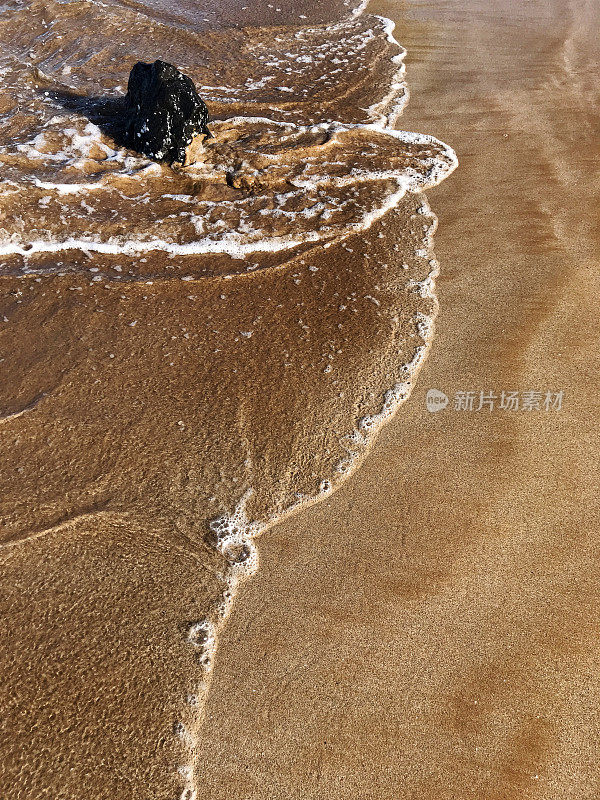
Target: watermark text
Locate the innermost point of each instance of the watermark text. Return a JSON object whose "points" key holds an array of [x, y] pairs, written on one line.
{"points": [[490, 400]]}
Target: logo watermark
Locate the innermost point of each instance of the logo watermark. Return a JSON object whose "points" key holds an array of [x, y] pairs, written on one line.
{"points": [[436, 400], [509, 401]]}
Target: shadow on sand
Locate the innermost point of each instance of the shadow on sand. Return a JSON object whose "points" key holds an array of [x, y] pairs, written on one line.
{"points": [[108, 113]]}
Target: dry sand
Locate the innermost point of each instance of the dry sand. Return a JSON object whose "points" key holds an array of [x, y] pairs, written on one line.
{"points": [[431, 631]]}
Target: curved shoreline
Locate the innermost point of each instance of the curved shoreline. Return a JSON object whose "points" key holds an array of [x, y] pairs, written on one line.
{"points": [[235, 528]]}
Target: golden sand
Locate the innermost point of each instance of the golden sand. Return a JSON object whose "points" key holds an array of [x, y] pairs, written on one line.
{"points": [[431, 630]]}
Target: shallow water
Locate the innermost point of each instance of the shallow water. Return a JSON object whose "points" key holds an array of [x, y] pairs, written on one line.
{"points": [[188, 354], [304, 164]]}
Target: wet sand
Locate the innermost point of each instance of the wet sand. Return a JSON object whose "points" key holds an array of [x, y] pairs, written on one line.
{"points": [[187, 354], [431, 630]]}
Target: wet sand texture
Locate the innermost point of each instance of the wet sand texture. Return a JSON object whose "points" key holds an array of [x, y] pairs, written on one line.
{"points": [[188, 355]]}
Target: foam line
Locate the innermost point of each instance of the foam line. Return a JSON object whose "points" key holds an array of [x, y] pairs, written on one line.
{"points": [[237, 245]]}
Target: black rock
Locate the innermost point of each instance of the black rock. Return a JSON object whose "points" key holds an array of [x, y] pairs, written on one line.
{"points": [[164, 111]]}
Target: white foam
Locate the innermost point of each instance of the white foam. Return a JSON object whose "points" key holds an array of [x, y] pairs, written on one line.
{"points": [[387, 110], [234, 539], [67, 188], [339, 218], [201, 635]]}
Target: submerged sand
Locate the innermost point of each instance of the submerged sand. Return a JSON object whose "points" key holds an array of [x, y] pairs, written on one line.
{"points": [[188, 354]]}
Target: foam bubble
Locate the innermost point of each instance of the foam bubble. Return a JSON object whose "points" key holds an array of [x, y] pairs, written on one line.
{"points": [[297, 199]]}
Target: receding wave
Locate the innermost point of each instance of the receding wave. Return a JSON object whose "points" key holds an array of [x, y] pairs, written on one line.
{"points": [[191, 353], [265, 184]]}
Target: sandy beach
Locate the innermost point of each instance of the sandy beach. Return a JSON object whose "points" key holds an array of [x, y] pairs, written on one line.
{"points": [[430, 631], [425, 628]]}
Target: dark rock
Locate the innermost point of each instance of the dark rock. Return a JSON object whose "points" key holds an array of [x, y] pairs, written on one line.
{"points": [[164, 110]]}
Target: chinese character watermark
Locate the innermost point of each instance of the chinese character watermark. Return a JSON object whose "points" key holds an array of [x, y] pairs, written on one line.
{"points": [[530, 400]]}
